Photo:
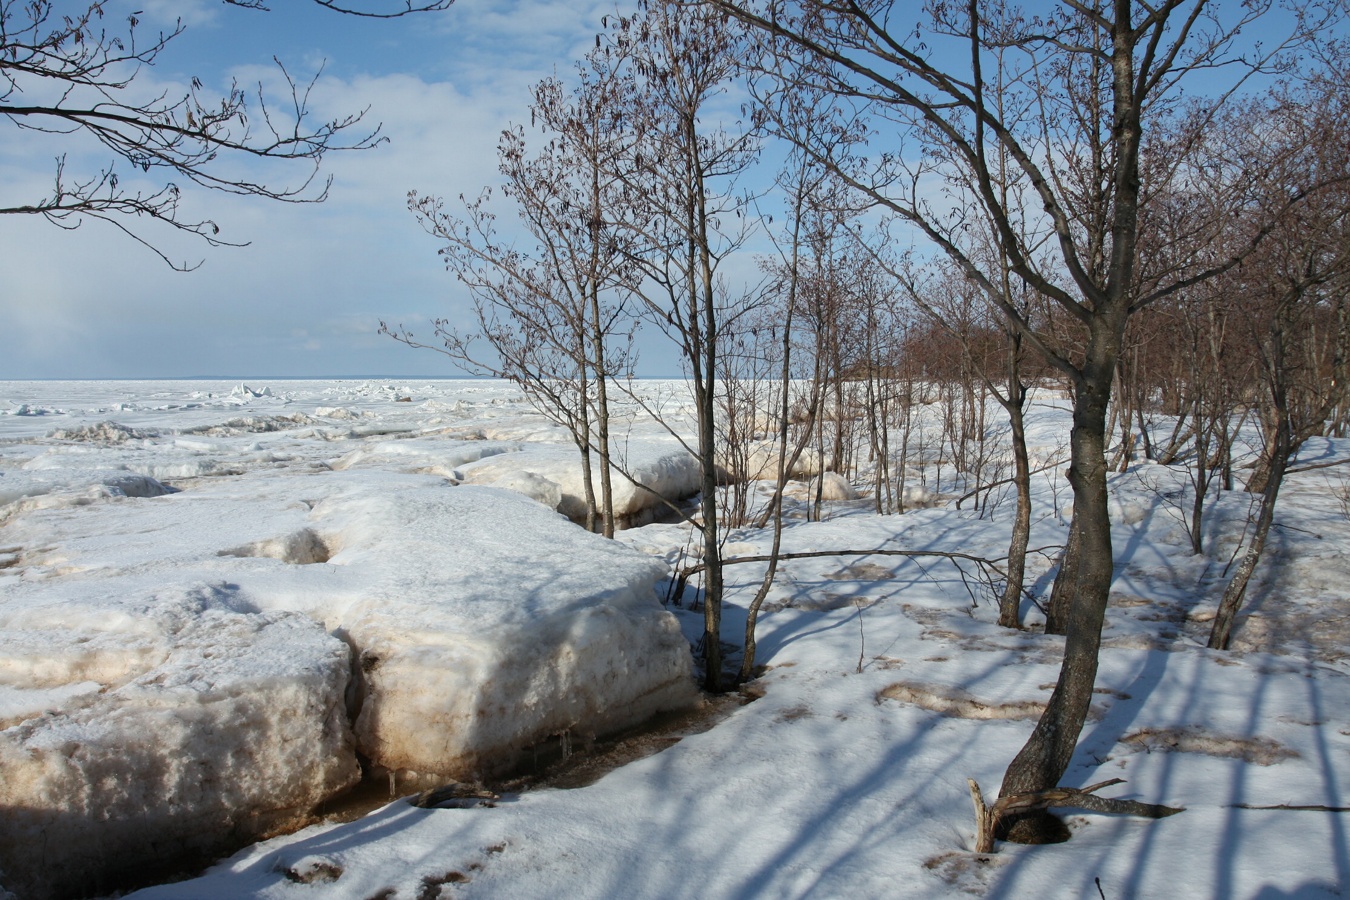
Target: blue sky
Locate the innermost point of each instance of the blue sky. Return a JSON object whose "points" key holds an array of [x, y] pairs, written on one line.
{"points": [[305, 298]]}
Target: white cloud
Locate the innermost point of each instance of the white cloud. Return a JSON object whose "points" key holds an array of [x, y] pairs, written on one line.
{"points": [[164, 13], [307, 294]]}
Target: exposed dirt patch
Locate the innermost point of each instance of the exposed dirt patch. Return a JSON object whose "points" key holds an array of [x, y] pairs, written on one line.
{"points": [[1259, 750], [793, 713], [862, 572], [432, 885], [313, 870], [952, 701], [967, 872]]}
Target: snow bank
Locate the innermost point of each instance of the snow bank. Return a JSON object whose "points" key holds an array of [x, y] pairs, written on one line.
{"points": [[181, 727], [662, 473], [437, 457], [527, 627], [156, 668]]}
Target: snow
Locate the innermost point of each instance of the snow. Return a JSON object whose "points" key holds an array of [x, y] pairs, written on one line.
{"points": [[340, 580], [202, 723], [209, 664], [655, 473]]}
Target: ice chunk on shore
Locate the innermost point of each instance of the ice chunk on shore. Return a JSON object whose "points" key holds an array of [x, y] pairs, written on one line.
{"points": [[234, 726], [526, 627], [36, 487], [536, 487], [482, 622], [649, 475]]}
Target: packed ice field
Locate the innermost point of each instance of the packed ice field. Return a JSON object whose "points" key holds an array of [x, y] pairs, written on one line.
{"points": [[222, 605]]}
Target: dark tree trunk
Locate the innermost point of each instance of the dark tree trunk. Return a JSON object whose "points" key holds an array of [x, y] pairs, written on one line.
{"points": [[1044, 759], [1010, 603]]}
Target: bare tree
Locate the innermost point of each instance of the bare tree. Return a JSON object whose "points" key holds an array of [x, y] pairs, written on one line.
{"points": [[681, 176], [76, 75], [954, 305], [553, 316], [1099, 72], [1295, 301]]}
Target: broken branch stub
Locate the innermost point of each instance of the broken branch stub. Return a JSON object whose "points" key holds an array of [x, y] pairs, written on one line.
{"points": [[987, 818]]}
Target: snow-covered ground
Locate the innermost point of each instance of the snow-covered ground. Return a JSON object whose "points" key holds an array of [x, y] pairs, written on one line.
{"points": [[316, 513]]}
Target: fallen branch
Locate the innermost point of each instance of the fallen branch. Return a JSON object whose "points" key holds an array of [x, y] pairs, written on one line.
{"points": [[684, 574], [1305, 808], [987, 819]]}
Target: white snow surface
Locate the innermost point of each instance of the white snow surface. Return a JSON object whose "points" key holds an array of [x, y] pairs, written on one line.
{"points": [[185, 670], [888, 682]]}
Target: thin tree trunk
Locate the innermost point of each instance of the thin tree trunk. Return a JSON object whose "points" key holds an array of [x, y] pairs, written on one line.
{"points": [[600, 364], [1010, 604], [1236, 590], [584, 444]]}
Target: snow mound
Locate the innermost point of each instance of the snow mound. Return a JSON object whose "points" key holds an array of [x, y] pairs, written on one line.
{"points": [[759, 462], [28, 409], [22, 490], [102, 433], [661, 474], [833, 486], [221, 726], [339, 412], [437, 457]]}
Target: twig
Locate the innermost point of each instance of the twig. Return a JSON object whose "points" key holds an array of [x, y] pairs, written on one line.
{"points": [[683, 577], [1002, 481], [862, 634], [1321, 465], [1291, 806]]}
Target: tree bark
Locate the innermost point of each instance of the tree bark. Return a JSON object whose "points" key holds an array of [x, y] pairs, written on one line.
{"points": [[1042, 762], [1010, 604]]}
